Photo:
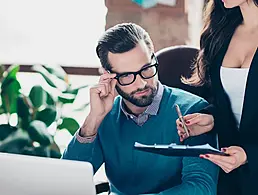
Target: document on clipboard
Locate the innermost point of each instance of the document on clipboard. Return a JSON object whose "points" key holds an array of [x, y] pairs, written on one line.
{"points": [[179, 150]]}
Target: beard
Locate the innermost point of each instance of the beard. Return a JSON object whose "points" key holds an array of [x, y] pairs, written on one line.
{"points": [[143, 101]]}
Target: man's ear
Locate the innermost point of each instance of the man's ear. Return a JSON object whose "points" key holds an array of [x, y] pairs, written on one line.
{"points": [[101, 70]]}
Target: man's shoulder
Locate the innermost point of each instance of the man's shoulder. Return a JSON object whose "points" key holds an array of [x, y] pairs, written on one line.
{"points": [[182, 94], [187, 101]]}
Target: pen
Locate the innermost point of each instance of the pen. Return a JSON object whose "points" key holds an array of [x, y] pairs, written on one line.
{"points": [[181, 118]]}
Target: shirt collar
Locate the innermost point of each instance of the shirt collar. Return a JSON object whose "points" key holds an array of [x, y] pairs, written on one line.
{"points": [[153, 108]]}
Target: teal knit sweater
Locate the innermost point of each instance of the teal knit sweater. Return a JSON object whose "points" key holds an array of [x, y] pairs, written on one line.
{"points": [[133, 172]]}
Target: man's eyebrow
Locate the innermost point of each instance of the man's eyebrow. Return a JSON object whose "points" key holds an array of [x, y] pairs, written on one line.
{"points": [[149, 63], [145, 65]]}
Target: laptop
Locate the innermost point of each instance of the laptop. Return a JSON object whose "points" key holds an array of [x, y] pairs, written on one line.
{"points": [[31, 175]]}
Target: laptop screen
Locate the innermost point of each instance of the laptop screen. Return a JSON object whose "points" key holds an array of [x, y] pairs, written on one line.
{"points": [[30, 175]]}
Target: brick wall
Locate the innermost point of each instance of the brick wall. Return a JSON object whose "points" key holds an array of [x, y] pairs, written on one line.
{"points": [[166, 25]]}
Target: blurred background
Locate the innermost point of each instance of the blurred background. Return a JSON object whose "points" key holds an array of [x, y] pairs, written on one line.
{"points": [[48, 61]]}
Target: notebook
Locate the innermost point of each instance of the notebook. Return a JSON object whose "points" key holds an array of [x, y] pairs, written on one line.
{"points": [[179, 150]]}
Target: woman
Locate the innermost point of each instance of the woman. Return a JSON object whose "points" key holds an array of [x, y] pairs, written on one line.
{"points": [[228, 63]]}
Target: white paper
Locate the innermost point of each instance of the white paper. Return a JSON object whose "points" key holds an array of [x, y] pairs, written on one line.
{"points": [[175, 146]]}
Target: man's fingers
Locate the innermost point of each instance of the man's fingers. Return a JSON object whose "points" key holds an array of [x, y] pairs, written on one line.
{"points": [[113, 85], [100, 90], [107, 86], [103, 89], [110, 84], [106, 76]]}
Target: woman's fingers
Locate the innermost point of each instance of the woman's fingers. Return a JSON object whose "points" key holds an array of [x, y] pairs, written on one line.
{"points": [[194, 120], [190, 116]]}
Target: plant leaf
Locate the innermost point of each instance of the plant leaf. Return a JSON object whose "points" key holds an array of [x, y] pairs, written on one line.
{"points": [[82, 107], [55, 154], [48, 115], [56, 70], [2, 111], [50, 99], [38, 96], [23, 111], [6, 130], [55, 150], [46, 75], [38, 132], [15, 142], [75, 90], [66, 98], [9, 95], [11, 72], [70, 124], [37, 151]]}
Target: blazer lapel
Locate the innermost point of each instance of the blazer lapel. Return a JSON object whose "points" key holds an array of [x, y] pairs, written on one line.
{"points": [[219, 92], [249, 111]]}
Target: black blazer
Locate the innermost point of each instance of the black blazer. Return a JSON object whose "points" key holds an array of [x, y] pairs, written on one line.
{"points": [[243, 180]]}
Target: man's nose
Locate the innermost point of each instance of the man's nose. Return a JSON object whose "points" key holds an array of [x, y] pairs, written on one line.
{"points": [[140, 82]]}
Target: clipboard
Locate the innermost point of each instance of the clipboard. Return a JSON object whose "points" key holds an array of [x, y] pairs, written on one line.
{"points": [[179, 150]]}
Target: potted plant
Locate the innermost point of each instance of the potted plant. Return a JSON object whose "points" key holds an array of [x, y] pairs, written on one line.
{"points": [[35, 112]]}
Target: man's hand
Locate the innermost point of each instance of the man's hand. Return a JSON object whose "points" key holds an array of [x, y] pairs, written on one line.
{"points": [[228, 163], [196, 123], [102, 95], [101, 102]]}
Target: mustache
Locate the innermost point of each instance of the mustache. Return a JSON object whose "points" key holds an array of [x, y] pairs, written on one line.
{"points": [[141, 89]]}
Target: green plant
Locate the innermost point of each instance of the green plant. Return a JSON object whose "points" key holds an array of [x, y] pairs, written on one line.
{"points": [[35, 112]]}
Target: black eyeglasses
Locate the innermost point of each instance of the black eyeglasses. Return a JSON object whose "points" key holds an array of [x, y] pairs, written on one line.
{"points": [[147, 72]]}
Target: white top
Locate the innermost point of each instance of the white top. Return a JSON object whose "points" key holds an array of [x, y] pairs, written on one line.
{"points": [[234, 83]]}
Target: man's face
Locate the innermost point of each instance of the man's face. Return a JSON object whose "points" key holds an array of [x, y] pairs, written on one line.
{"points": [[142, 91]]}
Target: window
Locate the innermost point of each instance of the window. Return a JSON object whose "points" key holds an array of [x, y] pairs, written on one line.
{"points": [[61, 32]]}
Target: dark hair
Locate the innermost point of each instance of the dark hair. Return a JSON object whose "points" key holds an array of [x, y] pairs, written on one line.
{"points": [[219, 25], [119, 39]]}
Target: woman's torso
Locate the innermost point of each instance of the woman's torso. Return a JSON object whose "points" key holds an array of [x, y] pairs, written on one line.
{"points": [[239, 53]]}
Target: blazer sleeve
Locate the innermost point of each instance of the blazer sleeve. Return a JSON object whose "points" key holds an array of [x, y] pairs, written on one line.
{"points": [[251, 151]]}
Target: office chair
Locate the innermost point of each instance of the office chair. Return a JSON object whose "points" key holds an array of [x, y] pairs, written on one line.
{"points": [[176, 61], [102, 187]]}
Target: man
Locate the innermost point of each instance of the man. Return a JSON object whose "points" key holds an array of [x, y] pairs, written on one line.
{"points": [[144, 112]]}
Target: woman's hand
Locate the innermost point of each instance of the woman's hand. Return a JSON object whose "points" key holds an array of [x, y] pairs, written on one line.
{"points": [[228, 163], [196, 123]]}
